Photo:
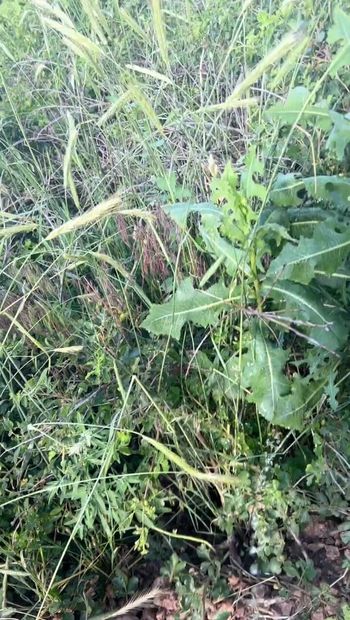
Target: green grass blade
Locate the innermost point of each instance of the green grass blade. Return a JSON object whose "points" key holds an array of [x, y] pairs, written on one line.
{"points": [[159, 30]]}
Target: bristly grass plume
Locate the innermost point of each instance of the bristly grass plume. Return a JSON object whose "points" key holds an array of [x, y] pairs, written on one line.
{"points": [[174, 293]]}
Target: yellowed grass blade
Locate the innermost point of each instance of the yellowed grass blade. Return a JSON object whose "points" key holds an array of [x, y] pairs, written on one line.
{"points": [[289, 42], [97, 20], [141, 98], [285, 45], [194, 539], [137, 602], [290, 62], [230, 105], [55, 11], [117, 265], [104, 208], [159, 30], [5, 215], [185, 467], [71, 350], [68, 180], [16, 229], [23, 331], [115, 107], [139, 213], [153, 74], [38, 71], [134, 93], [6, 51], [73, 35], [132, 23], [78, 51], [81, 52]]}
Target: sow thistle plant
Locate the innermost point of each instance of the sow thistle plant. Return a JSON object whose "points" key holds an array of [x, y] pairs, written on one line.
{"points": [[271, 276], [116, 444]]}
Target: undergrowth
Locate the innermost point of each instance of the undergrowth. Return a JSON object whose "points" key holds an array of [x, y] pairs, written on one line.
{"points": [[174, 294]]}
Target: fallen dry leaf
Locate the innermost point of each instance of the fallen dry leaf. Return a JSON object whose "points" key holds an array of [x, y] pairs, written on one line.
{"points": [[148, 614], [314, 547], [285, 608], [168, 601], [235, 582], [318, 615], [316, 530], [332, 552], [220, 608], [224, 606]]}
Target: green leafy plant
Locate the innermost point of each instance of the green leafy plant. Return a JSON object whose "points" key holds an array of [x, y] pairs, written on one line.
{"points": [[191, 436], [274, 285]]}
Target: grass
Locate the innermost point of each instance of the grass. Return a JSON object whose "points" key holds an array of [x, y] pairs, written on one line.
{"points": [[117, 450]]}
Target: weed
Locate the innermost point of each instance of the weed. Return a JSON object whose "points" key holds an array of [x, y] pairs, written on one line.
{"points": [[173, 378]]}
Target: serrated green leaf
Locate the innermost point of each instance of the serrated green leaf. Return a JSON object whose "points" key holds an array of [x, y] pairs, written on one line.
{"points": [[288, 190], [278, 400], [331, 391], [180, 211], [339, 137], [297, 109], [285, 190], [226, 185], [326, 250], [340, 31], [273, 231], [237, 214], [234, 259], [187, 304], [253, 168], [333, 189], [322, 321]]}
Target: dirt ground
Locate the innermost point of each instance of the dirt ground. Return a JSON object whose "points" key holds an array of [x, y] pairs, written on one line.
{"points": [[277, 598]]}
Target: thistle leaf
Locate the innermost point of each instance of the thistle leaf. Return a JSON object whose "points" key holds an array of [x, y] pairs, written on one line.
{"points": [[339, 137], [180, 211], [340, 32], [320, 318], [289, 190], [187, 304], [298, 109], [326, 250], [278, 399]]}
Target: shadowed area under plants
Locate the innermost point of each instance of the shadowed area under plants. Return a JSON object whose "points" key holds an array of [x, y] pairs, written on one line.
{"points": [[174, 295]]}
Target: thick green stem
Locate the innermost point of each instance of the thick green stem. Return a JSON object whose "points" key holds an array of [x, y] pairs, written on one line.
{"points": [[256, 280]]}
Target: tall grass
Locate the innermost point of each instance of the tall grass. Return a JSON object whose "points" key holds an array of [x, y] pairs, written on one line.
{"points": [[124, 99]]}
